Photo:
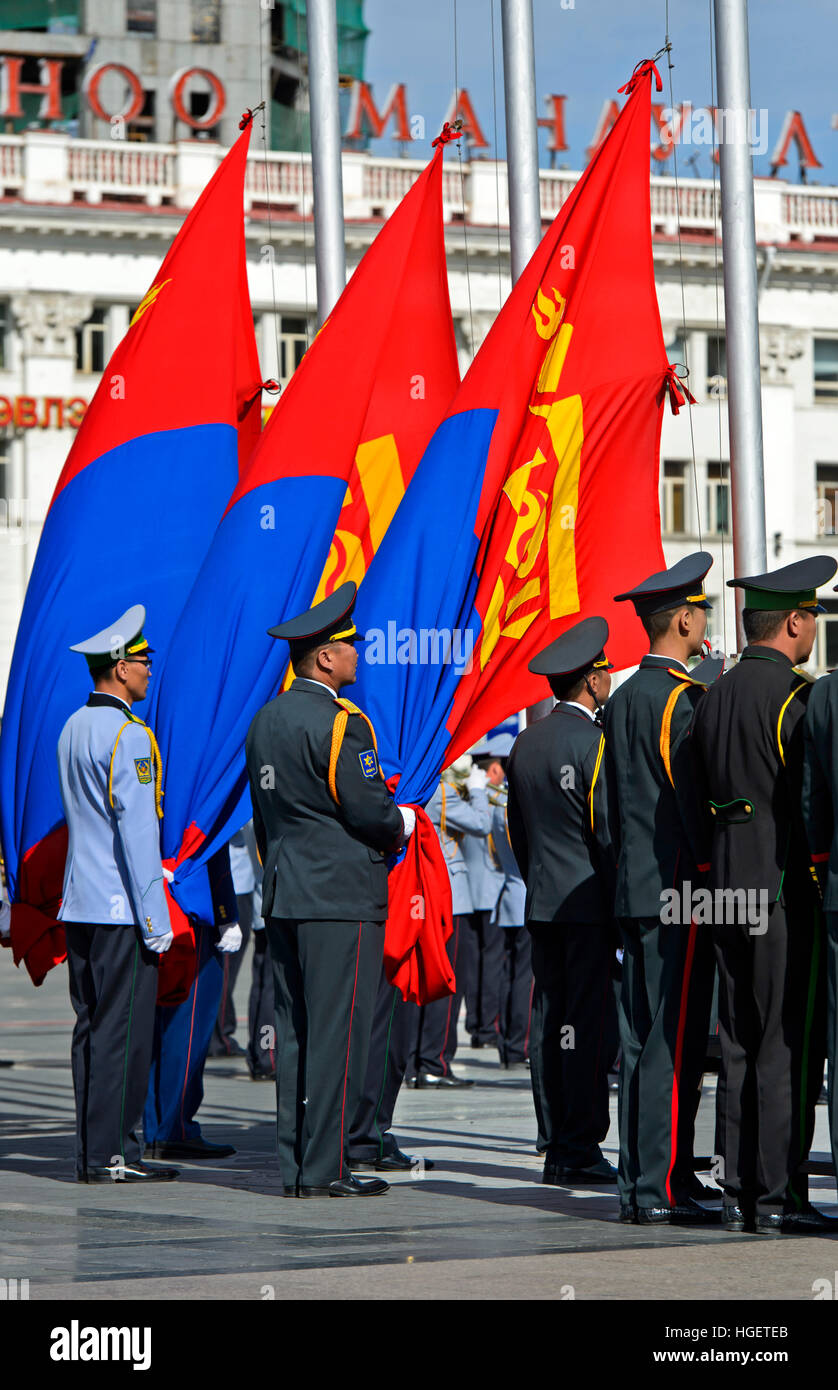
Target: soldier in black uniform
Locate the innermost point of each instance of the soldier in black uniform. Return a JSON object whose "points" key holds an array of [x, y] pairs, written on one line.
{"points": [[661, 845], [820, 814], [324, 823], [749, 735], [558, 829]]}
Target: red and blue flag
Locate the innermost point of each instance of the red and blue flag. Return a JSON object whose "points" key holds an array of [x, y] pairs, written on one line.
{"points": [[537, 498], [309, 512], [134, 510]]}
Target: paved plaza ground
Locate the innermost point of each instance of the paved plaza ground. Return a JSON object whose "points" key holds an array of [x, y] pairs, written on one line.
{"points": [[478, 1226]]}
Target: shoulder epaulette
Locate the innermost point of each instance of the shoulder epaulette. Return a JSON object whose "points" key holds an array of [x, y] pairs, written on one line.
{"points": [[684, 677]]}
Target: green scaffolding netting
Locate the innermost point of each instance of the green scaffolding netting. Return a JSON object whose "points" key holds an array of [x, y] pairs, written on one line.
{"points": [[352, 33]]}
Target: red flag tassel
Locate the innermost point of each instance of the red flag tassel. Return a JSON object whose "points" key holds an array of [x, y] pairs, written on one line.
{"points": [[646, 65], [679, 392]]}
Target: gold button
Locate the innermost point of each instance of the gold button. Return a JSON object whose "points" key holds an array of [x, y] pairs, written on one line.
{"points": [[712, 810], [748, 810]]}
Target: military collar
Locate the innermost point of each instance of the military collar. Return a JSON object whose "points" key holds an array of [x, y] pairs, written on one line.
{"points": [[761, 653], [573, 707], [662, 663], [575, 712], [311, 687], [98, 698]]}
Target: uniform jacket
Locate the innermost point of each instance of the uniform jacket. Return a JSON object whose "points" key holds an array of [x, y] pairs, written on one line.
{"points": [[658, 823], [749, 735], [322, 859], [510, 910], [456, 819], [558, 819], [820, 784], [113, 872], [485, 877]]}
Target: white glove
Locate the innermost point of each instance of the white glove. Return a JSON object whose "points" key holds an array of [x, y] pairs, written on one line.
{"points": [[159, 944], [5, 919], [409, 818], [477, 780], [230, 939], [168, 875]]}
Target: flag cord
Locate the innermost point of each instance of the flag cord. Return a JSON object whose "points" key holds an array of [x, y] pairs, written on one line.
{"points": [[667, 49], [497, 153], [724, 472], [462, 184], [262, 13]]}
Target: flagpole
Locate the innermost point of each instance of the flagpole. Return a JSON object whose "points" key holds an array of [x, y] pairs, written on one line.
{"points": [[740, 282], [521, 168], [327, 177], [521, 132]]}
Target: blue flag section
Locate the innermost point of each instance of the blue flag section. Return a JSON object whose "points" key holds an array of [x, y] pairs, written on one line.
{"points": [[149, 474], [411, 665]]}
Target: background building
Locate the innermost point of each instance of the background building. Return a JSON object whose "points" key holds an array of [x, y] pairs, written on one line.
{"points": [[85, 220]]}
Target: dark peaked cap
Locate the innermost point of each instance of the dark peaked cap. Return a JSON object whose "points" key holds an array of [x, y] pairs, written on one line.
{"points": [[328, 621], [672, 588], [791, 587], [580, 649]]}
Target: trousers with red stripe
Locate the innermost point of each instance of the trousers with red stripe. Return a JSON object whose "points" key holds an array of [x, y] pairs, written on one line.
{"points": [[326, 976], [664, 1017]]}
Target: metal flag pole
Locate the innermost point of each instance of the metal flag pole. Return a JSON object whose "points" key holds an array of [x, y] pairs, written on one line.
{"points": [[521, 167], [327, 177], [521, 132], [740, 282]]}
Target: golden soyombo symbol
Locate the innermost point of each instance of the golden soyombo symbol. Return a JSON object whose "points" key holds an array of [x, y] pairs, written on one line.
{"points": [[543, 493]]}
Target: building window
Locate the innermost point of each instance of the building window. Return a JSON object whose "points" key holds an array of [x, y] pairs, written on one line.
{"points": [[4, 334], [826, 506], [293, 341], [91, 343], [826, 369], [142, 126], [206, 21], [718, 498], [141, 17], [716, 365], [674, 498], [826, 643]]}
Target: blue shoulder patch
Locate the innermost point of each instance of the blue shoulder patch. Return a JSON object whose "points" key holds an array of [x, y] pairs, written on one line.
{"points": [[369, 763]]}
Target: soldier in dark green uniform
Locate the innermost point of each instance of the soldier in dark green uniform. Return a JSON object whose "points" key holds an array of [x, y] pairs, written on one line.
{"points": [[324, 823], [749, 736], [558, 829], [668, 961]]}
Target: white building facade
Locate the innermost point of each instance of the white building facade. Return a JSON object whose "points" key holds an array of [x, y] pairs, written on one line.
{"points": [[84, 225]]}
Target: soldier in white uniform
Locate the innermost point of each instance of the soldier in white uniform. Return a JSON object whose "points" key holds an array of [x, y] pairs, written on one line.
{"points": [[114, 905], [516, 981], [481, 949]]}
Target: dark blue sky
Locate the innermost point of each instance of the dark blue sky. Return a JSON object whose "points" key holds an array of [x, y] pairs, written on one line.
{"points": [[586, 52]]}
